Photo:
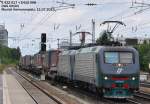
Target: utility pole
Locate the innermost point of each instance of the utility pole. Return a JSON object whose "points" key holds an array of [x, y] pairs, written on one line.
{"points": [[70, 38], [93, 31], [21, 28], [83, 35]]}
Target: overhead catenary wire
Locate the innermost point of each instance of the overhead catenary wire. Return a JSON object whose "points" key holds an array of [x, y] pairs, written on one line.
{"points": [[126, 11], [47, 17], [44, 19], [119, 15], [39, 23]]}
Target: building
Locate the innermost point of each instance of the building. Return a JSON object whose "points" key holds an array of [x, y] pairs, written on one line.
{"points": [[65, 45], [3, 35], [129, 41]]}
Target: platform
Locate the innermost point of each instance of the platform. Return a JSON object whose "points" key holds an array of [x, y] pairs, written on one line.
{"points": [[1, 89], [13, 92]]}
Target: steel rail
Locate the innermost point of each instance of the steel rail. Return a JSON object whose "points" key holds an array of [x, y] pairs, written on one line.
{"points": [[58, 101]]}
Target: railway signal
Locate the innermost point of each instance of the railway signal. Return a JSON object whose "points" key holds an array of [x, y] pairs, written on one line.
{"points": [[43, 47], [43, 42], [43, 37]]}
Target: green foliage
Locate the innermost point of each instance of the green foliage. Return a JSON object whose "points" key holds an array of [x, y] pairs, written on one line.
{"points": [[9, 55], [105, 38], [2, 67], [144, 54]]}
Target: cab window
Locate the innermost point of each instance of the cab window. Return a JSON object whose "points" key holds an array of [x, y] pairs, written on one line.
{"points": [[118, 57], [126, 57], [111, 57]]}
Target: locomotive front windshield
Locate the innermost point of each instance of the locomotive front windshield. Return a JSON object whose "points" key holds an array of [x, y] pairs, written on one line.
{"points": [[118, 57]]}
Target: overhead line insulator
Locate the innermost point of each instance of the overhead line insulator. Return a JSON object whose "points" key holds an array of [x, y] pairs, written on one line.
{"points": [[90, 4]]}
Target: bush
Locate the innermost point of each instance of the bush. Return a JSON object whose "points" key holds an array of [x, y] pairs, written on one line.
{"points": [[144, 54], [2, 67], [9, 55]]}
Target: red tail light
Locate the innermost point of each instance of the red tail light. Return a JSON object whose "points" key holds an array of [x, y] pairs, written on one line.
{"points": [[113, 85], [119, 78], [126, 86]]}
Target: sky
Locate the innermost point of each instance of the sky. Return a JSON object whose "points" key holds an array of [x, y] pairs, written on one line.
{"points": [[25, 27]]}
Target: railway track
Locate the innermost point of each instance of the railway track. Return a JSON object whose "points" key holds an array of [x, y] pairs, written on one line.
{"points": [[39, 95], [140, 98], [145, 84], [133, 101], [99, 100], [142, 95], [143, 98]]}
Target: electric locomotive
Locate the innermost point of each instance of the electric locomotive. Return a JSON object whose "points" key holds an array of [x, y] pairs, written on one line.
{"points": [[112, 71], [120, 71]]}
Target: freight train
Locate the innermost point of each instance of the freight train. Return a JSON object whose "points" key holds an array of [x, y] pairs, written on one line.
{"points": [[111, 71]]}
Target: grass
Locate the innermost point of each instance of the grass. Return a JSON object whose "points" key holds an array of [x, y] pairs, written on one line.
{"points": [[4, 66]]}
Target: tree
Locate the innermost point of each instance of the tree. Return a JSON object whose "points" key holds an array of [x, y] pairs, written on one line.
{"points": [[9, 55], [105, 38], [19, 53], [16, 53], [144, 55]]}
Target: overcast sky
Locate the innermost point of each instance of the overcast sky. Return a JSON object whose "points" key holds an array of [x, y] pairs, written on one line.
{"points": [[34, 23]]}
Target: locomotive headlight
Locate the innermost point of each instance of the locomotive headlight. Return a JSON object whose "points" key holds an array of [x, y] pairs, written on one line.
{"points": [[105, 78], [119, 65], [133, 78]]}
